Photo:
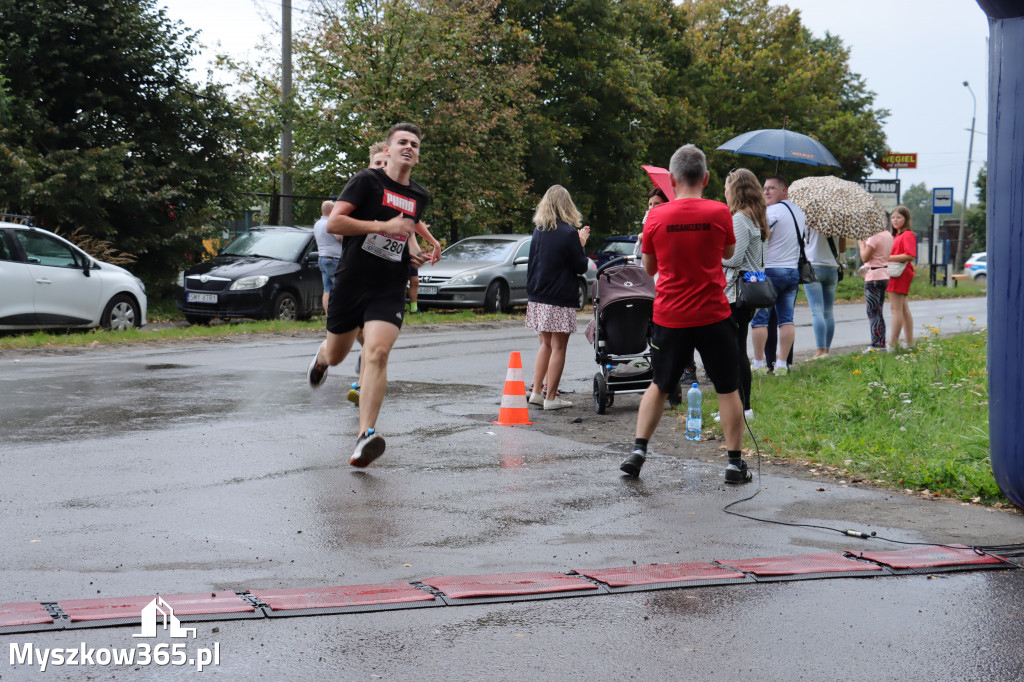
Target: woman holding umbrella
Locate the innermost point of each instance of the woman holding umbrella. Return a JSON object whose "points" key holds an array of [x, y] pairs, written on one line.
{"points": [[821, 295], [904, 250]]}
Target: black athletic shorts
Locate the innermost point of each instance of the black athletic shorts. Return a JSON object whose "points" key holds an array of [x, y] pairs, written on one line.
{"points": [[671, 350], [351, 307]]}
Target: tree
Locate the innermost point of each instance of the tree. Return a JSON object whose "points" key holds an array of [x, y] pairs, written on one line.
{"points": [[106, 135], [918, 200], [755, 66], [441, 64], [607, 93], [977, 215]]}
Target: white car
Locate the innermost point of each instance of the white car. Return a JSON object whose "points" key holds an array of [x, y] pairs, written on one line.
{"points": [[977, 266], [46, 282]]}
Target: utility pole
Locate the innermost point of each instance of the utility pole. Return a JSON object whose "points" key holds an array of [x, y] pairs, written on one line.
{"points": [[967, 184], [287, 214]]}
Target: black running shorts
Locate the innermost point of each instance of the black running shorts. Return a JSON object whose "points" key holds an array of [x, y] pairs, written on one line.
{"points": [[672, 348], [349, 309]]}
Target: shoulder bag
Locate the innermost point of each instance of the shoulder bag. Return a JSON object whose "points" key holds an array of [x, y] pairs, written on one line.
{"points": [[753, 289], [896, 269], [803, 265], [835, 254]]}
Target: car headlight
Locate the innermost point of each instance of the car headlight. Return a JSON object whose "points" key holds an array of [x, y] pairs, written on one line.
{"points": [[254, 282], [464, 278], [181, 279]]}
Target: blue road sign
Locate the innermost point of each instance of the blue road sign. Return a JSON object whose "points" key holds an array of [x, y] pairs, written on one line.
{"points": [[942, 200]]}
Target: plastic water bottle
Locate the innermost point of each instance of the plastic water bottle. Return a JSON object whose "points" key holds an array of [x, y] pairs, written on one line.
{"points": [[693, 413]]}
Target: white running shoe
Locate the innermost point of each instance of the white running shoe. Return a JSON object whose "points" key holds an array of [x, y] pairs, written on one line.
{"points": [[369, 447], [316, 373], [556, 404]]}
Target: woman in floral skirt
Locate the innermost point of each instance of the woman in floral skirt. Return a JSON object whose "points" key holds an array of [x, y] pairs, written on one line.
{"points": [[557, 259]]}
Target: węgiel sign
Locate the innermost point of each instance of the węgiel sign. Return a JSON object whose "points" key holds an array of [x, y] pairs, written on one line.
{"points": [[891, 160]]}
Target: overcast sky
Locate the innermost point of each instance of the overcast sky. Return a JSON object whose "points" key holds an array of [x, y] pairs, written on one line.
{"points": [[914, 54]]}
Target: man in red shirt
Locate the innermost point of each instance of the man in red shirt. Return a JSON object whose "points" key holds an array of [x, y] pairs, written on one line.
{"points": [[684, 242]]}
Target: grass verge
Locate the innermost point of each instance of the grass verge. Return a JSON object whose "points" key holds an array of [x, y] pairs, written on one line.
{"points": [[100, 337], [852, 289], [915, 420]]}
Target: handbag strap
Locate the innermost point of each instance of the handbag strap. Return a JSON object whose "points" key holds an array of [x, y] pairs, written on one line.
{"points": [[835, 252], [796, 227]]}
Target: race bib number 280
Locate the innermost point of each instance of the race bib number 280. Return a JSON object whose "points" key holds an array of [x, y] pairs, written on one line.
{"points": [[386, 246]]}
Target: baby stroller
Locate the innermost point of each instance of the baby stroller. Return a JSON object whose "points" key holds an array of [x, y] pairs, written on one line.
{"points": [[621, 331]]}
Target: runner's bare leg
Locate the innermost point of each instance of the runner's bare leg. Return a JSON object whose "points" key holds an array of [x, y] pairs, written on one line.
{"points": [[378, 338]]}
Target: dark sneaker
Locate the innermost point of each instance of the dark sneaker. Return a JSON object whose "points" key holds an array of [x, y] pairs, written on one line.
{"points": [[316, 373], [369, 447], [353, 393], [737, 473], [631, 465], [689, 377]]}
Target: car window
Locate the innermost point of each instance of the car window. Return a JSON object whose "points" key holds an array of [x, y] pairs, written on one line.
{"points": [[524, 249], [5, 250], [479, 249], [43, 249], [617, 248], [280, 245]]}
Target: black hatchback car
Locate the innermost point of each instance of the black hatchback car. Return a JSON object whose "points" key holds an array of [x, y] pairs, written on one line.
{"points": [[268, 272]]}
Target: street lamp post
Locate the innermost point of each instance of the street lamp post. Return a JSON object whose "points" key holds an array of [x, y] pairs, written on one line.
{"points": [[967, 184]]}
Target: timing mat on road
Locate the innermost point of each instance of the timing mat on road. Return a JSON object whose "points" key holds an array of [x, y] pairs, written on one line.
{"points": [[458, 590]]}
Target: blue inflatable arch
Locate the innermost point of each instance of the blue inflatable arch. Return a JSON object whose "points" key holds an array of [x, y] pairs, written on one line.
{"points": [[1006, 243]]}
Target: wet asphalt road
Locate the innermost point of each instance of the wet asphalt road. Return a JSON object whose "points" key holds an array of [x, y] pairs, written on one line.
{"points": [[208, 467]]}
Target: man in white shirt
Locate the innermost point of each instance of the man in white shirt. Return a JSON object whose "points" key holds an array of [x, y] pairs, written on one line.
{"points": [[781, 258]]}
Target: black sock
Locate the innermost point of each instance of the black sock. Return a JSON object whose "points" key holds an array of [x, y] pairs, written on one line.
{"points": [[734, 456], [640, 444]]}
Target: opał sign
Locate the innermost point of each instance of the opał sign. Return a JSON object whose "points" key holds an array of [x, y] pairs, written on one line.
{"points": [[891, 160], [886, 191]]}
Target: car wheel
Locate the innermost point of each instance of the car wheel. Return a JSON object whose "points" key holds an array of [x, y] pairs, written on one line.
{"points": [[120, 314], [496, 298], [197, 320], [980, 277], [286, 307], [581, 294]]}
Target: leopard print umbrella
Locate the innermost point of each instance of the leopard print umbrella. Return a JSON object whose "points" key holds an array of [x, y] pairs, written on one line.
{"points": [[838, 208]]}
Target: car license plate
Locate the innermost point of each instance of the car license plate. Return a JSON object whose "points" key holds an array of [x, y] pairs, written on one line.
{"points": [[427, 290], [201, 298]]}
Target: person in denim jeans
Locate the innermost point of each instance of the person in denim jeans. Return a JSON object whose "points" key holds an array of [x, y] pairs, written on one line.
{"points": [[821, 295], [328, 247], [781, 256]]}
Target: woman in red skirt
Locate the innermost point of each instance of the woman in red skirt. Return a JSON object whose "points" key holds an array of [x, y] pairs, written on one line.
{"points": [[904, 250]]}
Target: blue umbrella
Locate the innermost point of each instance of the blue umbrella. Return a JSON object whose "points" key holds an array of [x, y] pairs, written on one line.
{"points": [[781, 145]]}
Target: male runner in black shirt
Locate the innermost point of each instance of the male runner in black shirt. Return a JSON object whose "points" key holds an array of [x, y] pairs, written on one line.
{"points": [[377, 213]]}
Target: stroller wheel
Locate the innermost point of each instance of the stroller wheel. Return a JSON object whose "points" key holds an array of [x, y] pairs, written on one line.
{"points": [[600, 393]]}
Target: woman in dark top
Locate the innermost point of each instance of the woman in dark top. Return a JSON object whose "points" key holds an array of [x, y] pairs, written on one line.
{"points": [[557, 259]]}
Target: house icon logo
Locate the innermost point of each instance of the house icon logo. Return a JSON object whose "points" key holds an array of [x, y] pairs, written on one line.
{"points": [[159, 608]]}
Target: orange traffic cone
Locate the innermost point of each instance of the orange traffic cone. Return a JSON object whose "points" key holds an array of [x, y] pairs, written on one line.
{"points": [[514, 408]]}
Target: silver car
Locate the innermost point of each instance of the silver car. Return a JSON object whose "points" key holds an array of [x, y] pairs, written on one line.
{"points": [[486, 271], [49, 283]]}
